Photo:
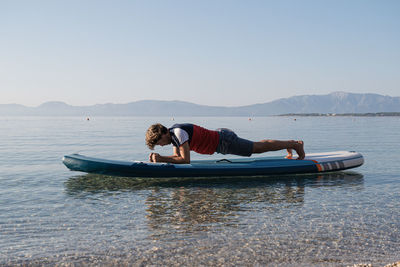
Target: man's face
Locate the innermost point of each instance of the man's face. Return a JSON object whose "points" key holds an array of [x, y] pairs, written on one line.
{"points": [[165, 140]]}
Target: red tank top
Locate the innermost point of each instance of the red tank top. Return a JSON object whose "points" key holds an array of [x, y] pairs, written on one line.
{"points": [[204, 141]]}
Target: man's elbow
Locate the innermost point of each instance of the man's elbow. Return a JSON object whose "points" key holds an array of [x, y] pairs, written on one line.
{"points": [[185, 160]]}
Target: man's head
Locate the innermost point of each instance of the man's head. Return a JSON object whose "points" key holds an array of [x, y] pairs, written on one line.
{"points": [[157, 134]]}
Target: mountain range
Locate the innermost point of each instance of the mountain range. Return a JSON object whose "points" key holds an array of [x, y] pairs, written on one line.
{"points": [[336, 102]]}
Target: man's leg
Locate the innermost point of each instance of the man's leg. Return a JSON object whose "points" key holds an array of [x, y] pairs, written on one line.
{"points": [[274, 145]]}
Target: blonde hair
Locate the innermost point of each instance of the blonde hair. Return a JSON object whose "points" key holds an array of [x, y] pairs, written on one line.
{"points": [[154, 134]]}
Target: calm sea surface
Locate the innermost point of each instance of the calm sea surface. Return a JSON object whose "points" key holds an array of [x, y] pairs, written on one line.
{"points": [[50, 215]]}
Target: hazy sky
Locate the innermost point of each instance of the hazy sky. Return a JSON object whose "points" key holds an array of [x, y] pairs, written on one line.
{"points": [[208, 52]]}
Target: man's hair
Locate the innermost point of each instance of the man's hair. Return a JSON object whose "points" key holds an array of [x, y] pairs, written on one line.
{"points": [[154, 134]]}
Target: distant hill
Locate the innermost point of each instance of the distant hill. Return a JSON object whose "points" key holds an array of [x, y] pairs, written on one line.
{"points": [[337, 102]]}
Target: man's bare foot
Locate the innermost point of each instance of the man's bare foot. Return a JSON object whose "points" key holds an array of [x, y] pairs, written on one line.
{"points": [[289, 153], [299, 147]]}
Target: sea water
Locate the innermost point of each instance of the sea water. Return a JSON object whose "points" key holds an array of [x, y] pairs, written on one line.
{"points": [[50, 215]]}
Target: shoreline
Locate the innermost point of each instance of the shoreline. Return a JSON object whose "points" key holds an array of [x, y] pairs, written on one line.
{"points": [[377, 114]]}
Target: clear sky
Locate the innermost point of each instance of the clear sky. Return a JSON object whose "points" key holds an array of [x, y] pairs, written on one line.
{"points": [[217, 52]]}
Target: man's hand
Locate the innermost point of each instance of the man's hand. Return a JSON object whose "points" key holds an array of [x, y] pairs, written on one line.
{"points": [[154, 157]]}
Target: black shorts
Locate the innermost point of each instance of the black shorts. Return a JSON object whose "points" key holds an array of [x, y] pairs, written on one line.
{"points": [[230, 143]]}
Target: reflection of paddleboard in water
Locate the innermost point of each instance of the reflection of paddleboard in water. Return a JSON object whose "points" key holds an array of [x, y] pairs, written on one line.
{"points": [[98, 183], [312, 163]]}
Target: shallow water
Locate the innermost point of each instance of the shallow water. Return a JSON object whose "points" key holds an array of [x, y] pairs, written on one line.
{"points": [[50, 215]]}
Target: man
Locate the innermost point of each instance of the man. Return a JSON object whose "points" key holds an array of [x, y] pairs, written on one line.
{"points": [[187, 137]]}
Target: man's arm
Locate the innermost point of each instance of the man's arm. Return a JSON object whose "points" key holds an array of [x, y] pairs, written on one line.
{"points": [[181, 155]]}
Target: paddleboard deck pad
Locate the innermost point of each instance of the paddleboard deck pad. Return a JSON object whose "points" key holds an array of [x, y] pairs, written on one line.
{"points": [[312, 163]]}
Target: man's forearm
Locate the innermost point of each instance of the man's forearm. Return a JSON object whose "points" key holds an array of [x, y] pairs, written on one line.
{"points": [[173, 159]]}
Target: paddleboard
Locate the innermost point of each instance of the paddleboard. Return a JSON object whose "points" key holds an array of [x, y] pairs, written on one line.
{"points": [[312, 163]]}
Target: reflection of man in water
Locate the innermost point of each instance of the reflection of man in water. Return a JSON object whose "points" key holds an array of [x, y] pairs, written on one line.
{"points": [[200, 209], [189, 209]]}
